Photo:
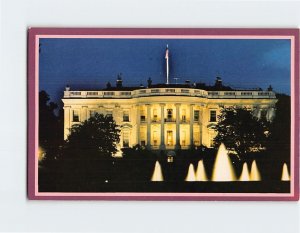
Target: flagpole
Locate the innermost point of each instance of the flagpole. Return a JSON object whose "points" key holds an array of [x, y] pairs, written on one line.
{"points": [[167, 63]]}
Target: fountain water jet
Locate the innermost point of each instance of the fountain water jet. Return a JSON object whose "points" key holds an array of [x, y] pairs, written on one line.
{"points": [[191, 174], [200, 173], [285, 173], [157, 173], [254, 173], [223, 169], [245, 176]]}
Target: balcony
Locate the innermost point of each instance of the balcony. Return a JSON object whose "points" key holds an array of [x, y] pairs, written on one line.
{"points": [[170, 120], [170, 91]]}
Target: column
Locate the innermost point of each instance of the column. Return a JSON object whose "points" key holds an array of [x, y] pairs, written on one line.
{"points": [[191, 125], [270, 114], [162, 127], [148, 126], [200, 125], [177, 146], [84, 116], [67, 120], [138, 119]]}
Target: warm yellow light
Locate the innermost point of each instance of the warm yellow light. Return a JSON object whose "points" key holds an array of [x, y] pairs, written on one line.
{"points": [[157, 173], [285, 173], [254, 173], [200, 173], [223, 169], [245, 176], [41, 153], [191, 174]]}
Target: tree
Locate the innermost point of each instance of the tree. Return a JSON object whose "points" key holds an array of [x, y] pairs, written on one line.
{"points": [[279, 141], [50, 126], [85, 162], [241, 131], [98, 134]]}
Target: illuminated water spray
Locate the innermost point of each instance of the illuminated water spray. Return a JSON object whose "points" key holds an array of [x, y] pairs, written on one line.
{"points": [[191, 174], [157, 173], [254, 173], [245, 176], [285, 173], [200, 173], [223, 169]]}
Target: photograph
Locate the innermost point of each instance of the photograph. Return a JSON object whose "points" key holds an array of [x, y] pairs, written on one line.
{"points": [[163, 114]]}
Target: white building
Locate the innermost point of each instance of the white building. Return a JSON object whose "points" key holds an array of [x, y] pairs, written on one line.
{"points": [[164, 116]]}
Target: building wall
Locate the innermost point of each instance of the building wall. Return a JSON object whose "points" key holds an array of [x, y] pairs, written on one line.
{"points": [[144, 126]]}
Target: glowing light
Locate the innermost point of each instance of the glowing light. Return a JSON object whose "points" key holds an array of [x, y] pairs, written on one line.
{"points": [[223, 169], [285, 173], [254, 173], [191, 174], [200, 173], [41, 154], [157, 173], [245, 176]]}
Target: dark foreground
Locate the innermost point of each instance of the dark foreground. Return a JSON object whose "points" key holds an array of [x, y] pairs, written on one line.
{"points": [[182, 187]]}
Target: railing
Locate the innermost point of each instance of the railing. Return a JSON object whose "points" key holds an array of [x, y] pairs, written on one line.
{"points": [[168, 92], [241, 94]]}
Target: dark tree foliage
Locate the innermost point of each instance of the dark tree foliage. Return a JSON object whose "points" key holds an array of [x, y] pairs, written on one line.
{"points": [[48, 121], [240, 131], [85, 162], [278, 144], [99, 134], [50, 126]]}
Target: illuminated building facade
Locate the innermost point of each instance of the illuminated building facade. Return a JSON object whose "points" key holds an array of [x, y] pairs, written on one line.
{"points": [[164, 116], [170, 117]]}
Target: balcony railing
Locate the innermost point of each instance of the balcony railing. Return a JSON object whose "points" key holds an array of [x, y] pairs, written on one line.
{"points": [[168, 92]]}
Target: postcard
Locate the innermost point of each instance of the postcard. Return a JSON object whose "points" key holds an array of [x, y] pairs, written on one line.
{"points": [[163, 114]]}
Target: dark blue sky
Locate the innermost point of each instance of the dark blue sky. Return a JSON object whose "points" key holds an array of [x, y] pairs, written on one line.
{"points": [[91, 63]]}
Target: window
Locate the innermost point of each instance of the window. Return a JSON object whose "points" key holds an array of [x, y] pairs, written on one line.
{"points": [[109, 114], [196, 115], [170, 114], [75, 115], [183, 117], [169, 138], [143, 143], [263, 114], [92, 113], [155, 138], [154, 114], [143, 115], [126, 139], [213, 116], [183, 138], [126, 116]]}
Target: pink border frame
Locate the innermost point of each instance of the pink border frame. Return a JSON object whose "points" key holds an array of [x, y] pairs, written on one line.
{"points": [[188, 33]]}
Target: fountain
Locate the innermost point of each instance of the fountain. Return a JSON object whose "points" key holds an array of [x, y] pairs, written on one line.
{"points": [[157, 173], [200, 173], [223, 169], [191, 174], [245, 173], [285, 173], [254, 173]]}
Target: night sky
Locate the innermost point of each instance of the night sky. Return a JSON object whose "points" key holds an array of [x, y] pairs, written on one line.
{"points": [[91, 63]]}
